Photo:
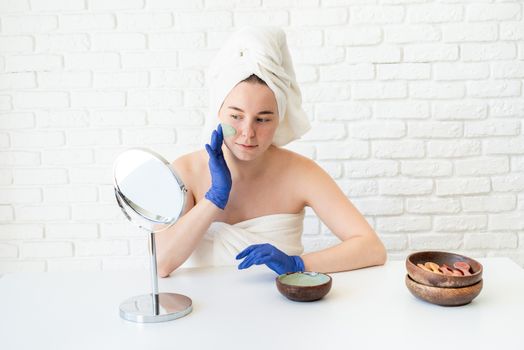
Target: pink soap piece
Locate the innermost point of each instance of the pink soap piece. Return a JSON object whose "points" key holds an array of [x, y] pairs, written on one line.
{"points": [[463, 267], [446, 270]]}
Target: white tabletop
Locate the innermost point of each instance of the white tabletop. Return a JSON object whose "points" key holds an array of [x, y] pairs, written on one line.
{"points": [[365, 309]]}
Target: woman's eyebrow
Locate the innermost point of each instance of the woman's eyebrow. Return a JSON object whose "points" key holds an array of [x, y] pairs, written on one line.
{"points": [[259, 113]]}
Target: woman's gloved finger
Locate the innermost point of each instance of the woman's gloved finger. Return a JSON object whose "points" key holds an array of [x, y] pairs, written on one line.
{"points": [[246, 263], [214, 142], [247, 251], [252, 259], [210, 151], [219, 140], [220, 134]]}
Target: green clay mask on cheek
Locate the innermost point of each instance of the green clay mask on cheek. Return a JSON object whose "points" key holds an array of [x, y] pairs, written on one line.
{"points": [[228, 130]]}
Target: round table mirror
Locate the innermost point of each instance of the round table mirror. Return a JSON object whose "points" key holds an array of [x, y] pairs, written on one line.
{"points": [[152, 196]]}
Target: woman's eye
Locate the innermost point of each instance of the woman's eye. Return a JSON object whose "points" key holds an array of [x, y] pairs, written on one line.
{"points": [[234, 116], [263, 120]]}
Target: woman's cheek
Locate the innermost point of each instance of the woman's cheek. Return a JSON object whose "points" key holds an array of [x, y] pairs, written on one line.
{"points": [[270, 132], [229, 143]]}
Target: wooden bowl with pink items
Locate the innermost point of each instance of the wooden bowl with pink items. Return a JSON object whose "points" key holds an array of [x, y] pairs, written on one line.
{"points": [[443, 278]]}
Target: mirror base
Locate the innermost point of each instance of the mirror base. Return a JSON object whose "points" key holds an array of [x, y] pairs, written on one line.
{"points": [[141, 308]]}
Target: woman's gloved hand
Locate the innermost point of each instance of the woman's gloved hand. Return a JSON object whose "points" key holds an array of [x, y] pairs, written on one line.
{"points": [[275, 259], [220, 174]]}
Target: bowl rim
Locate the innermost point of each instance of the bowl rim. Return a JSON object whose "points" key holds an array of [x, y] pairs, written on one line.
{"points": [[302, 272], [408, 260]]}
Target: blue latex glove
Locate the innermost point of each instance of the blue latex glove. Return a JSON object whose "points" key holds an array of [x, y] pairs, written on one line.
{"points": [[220, 175], [275, 259]]}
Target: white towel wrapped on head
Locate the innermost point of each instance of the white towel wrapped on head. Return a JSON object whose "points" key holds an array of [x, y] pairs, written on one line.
{"points": [[261, 51]]}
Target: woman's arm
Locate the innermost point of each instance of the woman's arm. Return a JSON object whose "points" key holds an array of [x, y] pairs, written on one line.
{"points": [[176, 244], [360, 246]]}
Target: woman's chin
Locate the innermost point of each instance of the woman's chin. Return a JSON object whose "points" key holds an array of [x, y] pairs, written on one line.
{"points": [[244, 156]]}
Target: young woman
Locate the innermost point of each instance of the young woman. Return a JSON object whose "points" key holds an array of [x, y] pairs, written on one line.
{"points": [[246, 194]]}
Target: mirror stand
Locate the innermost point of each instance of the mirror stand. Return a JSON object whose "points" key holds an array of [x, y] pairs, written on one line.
{"points": [[155, 307], [149, 192]]}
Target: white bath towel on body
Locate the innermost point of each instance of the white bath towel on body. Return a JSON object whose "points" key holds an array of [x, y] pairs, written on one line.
{"points": [[222, 242]]}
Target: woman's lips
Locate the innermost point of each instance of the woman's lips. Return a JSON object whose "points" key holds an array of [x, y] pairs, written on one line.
{"points": [[247, 146]]}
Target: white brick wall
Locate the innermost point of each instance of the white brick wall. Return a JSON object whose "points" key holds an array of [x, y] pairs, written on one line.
{"points": [[417, 108]]}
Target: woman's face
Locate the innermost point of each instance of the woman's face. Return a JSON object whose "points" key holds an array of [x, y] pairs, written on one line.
{"points": [[251, 109]]}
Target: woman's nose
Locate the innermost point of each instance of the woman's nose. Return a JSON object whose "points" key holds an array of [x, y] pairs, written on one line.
{"points": [[248, 130]]}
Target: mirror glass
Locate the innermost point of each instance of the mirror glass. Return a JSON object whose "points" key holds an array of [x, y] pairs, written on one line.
{"points": [[148, 189]]}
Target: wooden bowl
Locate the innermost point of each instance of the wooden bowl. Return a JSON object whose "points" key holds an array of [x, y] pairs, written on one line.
{"points": [[444, 296], [437, 280], [304, 286]]}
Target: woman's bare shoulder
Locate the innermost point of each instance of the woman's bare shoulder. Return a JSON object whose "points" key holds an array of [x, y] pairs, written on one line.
{"points": [[295, 174], [189, 164], [295, 162]]}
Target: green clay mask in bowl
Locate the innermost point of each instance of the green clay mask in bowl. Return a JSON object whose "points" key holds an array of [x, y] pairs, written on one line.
{"points": [[304, 279], [304, 286], [228, 130]]}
